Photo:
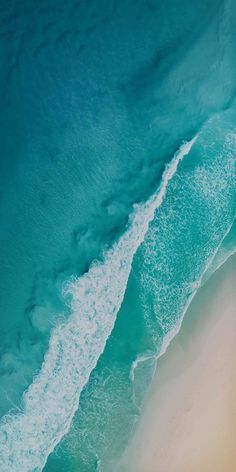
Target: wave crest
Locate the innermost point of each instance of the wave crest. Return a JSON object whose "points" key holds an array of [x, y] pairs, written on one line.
{"points": [[51, 400]]}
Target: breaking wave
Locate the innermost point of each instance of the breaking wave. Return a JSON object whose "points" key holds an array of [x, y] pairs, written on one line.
{"points": [[50, 402]]}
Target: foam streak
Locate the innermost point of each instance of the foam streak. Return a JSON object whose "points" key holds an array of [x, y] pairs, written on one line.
{"points": [[52, 399]]}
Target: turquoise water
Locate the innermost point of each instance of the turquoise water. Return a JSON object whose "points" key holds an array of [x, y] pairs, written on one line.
{"points": [[97, 100]]}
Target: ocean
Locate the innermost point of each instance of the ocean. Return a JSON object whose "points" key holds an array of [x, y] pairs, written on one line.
{"points": [[117, 202]]}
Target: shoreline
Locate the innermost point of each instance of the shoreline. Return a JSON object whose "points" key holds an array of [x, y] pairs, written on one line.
{"points": [[188, 423]]}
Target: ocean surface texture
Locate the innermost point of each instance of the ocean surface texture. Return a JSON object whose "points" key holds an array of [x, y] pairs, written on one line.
{"points": [[117, 202]]}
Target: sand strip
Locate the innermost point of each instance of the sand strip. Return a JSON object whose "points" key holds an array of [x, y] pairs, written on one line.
{"points": [[189, 419]]}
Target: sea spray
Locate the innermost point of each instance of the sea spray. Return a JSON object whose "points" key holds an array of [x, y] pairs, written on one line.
{"points": [[75, 346]]}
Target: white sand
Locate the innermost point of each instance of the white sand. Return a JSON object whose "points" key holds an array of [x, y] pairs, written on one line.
{"points": [[189, 419]]}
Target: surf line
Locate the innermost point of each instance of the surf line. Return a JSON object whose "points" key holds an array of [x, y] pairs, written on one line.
{"points": [[209, 267], [50, 402]]}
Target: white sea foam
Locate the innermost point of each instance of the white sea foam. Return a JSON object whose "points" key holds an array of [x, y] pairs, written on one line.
{"points": [[173, 332], [212, 189], [145, 357], [27, 438], [224, 252]]}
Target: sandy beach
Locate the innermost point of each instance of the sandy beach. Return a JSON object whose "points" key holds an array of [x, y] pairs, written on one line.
{"points": [[189, 419]]}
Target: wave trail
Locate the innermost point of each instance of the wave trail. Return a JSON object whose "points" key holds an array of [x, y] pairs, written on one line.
{"points": [[50, 402]]}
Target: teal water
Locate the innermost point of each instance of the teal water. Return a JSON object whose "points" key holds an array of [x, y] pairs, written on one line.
{"points": [[96, 99]]}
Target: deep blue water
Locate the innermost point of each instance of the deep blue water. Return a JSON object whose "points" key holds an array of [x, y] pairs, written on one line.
{"points": [[96, 99]]}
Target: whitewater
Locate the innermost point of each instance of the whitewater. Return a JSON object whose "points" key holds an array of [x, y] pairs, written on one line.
{"points": [[49, 404], [215, 261]]}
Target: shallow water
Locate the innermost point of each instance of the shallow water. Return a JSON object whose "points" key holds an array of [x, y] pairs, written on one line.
{"points": [[97, 97]]}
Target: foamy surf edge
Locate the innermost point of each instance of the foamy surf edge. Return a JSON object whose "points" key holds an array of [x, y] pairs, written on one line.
{"points": [[49, 404], [145, 357], [172, 333]]}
